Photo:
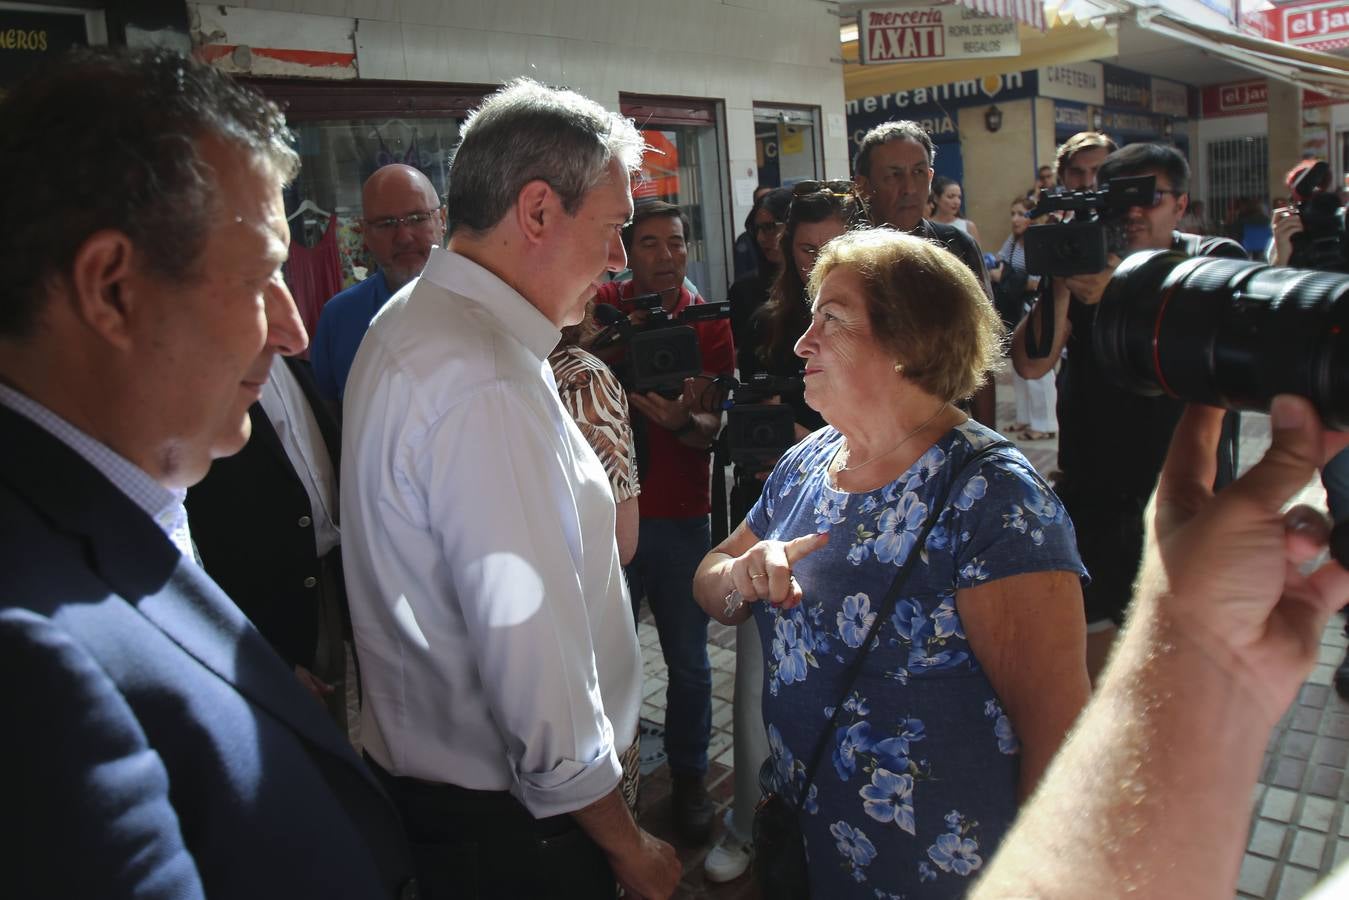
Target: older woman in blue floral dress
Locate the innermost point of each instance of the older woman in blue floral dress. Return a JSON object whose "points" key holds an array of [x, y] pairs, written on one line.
{"points": [[977, 674]]}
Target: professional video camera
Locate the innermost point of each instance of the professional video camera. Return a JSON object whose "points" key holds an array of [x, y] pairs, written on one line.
{"points": [[1083, 246], [757, 432], [661, 351], [1322, 243], [1227, 332]]}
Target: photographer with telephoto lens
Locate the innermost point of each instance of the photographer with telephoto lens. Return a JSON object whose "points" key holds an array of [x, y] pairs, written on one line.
{"points": [[1308, 232], [1112, 441]]}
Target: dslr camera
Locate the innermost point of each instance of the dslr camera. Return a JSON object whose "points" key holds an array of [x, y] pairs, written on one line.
{"points": [[758, 432], [1227, 332], [1322, 243], [662, 351], [1083, 245]]}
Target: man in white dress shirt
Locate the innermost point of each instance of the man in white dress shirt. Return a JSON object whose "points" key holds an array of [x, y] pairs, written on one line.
{"points": [[501, 673]]}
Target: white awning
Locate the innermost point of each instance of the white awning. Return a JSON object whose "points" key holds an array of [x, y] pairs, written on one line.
{"points": [[1095, 13], [1028, 12], [1321, 72]]}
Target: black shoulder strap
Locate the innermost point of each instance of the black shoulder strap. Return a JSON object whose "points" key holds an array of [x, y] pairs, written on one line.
{"points": [[888, 605]]}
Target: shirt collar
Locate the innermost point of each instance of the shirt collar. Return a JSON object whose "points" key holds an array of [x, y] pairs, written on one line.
{"points": [[159, 503], [520, 318]]}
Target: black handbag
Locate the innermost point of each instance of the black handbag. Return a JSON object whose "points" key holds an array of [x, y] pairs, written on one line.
{"points": [[780, 867], [1009, 295]]}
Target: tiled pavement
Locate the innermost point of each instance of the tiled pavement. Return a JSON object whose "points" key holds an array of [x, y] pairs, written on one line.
{"points": [[1299, 827]]}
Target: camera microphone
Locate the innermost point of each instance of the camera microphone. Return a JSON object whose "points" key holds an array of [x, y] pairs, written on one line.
{"points": [[616, 326], [608, 315]]}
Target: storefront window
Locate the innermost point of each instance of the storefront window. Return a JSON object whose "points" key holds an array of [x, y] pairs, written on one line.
{"points": [[1238, 188], [338, 155], [786, 142], [688, 171]]}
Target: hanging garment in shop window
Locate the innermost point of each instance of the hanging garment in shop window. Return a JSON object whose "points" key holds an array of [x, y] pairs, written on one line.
{"points": [[314, 274]]}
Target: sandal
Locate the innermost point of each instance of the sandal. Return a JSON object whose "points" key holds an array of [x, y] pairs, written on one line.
{"points": [[1032, 435], [1015, 427]]}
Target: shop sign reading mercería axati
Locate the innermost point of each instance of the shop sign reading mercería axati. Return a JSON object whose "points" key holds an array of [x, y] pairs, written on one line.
{"points": [[931, 33]]}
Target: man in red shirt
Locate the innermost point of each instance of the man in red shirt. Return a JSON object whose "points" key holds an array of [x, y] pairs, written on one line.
{"points": [[674, 437]]}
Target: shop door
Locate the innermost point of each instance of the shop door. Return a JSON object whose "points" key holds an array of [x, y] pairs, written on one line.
{"points": [[689, 171]]}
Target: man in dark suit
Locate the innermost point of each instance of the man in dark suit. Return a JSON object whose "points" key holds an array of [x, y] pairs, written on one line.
{"points": [[155, 745], [265, 525]]}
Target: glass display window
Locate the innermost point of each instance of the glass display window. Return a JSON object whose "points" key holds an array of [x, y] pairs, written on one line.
{"points": [[687, 168], [786, 144]]}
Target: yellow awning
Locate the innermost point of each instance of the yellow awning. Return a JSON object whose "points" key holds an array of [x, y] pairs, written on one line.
{"points": [[1060, 45]]}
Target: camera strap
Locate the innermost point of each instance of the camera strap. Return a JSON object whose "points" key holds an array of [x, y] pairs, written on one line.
{"points": [[1039, 346]]}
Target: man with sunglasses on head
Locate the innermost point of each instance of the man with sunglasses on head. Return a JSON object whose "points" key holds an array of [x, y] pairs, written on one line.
{"points": [[1111, 441], [403, 220], [893, 173]]}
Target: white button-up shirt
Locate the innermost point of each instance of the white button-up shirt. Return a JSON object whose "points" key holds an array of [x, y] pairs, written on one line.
{"points": [[495, 635], [287, 408]]}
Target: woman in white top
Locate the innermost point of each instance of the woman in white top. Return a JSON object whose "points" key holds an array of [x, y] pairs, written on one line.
{"points": [[949, 200]]}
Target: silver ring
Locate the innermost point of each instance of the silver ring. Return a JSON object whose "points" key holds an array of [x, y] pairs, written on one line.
{"points": [[760, 575], [734, 600]]}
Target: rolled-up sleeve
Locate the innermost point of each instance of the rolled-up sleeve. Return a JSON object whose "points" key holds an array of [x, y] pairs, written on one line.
{"points": [[500, 493]]}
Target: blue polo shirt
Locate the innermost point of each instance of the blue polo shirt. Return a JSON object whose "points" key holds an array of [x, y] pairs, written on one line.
{"points": [[342, 324]]}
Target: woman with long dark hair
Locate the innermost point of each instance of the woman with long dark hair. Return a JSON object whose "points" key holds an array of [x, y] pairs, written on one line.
{"points": [[820, 212], [764, 223], [950, 198]]}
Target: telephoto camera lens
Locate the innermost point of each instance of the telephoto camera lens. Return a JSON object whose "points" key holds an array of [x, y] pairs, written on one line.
{"points": [[1227, 332]]}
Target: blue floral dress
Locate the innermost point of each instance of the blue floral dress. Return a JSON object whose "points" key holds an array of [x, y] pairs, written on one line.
{"points": [[919, 782]]}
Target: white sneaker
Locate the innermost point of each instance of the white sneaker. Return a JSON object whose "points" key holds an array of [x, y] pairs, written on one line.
{"points": [[728, 860]]}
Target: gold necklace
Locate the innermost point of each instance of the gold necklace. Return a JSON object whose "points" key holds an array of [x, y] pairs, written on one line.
{"points": [[905, 440]]}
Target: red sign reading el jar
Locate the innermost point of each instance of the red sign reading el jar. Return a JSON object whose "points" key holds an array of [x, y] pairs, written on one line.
{"points": [[1237, 98], [1315, 26]]}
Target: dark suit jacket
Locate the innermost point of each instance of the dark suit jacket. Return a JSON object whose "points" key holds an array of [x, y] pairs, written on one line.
{"points": [[155, 746], [253, 526]]}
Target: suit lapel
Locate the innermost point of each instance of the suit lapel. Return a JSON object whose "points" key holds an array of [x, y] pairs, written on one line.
{"points": [[139, 564], [193, 611], [264, 439]]}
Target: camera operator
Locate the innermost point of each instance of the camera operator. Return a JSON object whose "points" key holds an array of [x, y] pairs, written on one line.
{"points": [[1080, 158], [673, 438], [1112, 442]]}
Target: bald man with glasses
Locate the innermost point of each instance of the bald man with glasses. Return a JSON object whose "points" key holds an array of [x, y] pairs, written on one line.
{"points": [[403, 220]]}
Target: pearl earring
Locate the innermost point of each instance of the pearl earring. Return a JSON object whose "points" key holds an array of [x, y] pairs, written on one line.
{"points": [[899, 368]]}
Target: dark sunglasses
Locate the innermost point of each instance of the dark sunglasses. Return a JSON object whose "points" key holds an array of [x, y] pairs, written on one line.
{"points": [[1157, 196], [837, 187], [769, 227]]}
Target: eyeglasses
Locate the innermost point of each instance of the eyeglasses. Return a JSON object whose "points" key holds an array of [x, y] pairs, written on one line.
{"points": [[411, 220], [770, 227], [1020, 214], [837, 187], [1157, 196]]}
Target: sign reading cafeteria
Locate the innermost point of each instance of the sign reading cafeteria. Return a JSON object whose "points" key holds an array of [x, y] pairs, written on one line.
{"points": [[925, 34]]}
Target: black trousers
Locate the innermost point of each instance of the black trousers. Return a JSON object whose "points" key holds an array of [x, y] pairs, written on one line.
{"points": [[485, 844]]}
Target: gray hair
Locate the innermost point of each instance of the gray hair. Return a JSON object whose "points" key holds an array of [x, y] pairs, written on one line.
{"points": [[884, 133], [529, 132]]}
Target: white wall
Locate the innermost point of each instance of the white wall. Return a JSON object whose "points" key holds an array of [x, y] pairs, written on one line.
{"points": [[734, 51]]}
